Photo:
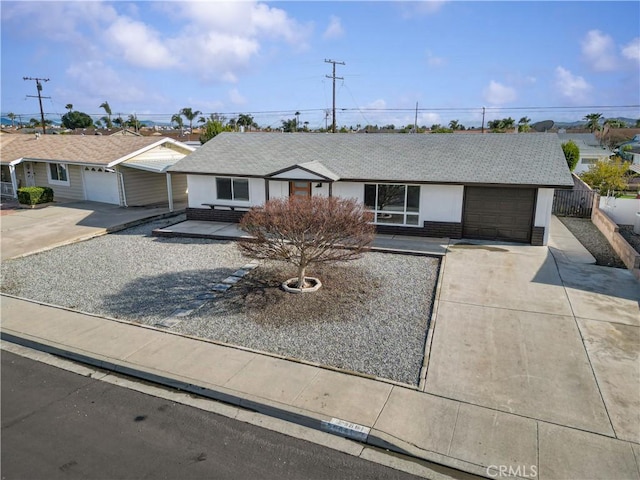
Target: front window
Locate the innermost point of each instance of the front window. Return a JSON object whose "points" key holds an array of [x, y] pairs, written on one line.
{"points": [[393, 204], [57, 174], [232, 189]]}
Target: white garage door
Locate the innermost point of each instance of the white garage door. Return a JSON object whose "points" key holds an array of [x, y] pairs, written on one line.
{"points": [[101, 185]]}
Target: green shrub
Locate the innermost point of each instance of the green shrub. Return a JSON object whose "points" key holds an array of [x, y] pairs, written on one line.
{"points": [[35, 195], [571, 154]]}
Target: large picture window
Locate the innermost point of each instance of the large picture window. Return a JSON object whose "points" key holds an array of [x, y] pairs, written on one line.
{"points": [[57, 174], [232, 189], [394, 204]]}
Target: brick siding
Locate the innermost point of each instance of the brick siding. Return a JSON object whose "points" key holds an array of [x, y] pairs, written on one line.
{"points": [[537, 236]]}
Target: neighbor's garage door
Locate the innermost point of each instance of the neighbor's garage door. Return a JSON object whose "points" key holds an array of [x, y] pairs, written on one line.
{"points": [[495, 213], [101, 185]]}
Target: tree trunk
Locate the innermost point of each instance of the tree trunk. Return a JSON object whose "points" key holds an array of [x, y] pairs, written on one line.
{"points": [[301, 274]]}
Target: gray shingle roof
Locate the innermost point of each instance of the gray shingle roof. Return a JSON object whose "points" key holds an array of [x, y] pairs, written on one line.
{"points": [[513, 159]]}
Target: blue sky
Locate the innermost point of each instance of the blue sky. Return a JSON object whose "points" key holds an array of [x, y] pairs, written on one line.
{"points": [[450, 57]]}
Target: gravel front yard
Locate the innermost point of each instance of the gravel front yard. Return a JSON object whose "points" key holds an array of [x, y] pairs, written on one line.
{"points": [[370, 316], [593, 240]]}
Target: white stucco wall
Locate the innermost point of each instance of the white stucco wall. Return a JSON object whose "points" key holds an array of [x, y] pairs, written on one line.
{"points": [[349, 190], [542, 218], [202, 189], [441, 203]]}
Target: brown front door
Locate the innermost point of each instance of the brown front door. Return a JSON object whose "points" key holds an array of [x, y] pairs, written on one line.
{"points": [[299, 189]]}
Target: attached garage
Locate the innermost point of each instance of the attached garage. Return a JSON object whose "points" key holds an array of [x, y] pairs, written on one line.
{"points": [[498, 213], [101, 185]]}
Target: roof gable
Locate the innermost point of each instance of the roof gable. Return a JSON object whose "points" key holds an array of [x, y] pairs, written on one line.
{"points": [[314, 171]]}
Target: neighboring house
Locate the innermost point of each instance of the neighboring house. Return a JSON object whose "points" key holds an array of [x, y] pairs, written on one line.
{"points": [[121, 170], [630, 151], [590, 150], [125, 132], [491, 186]]}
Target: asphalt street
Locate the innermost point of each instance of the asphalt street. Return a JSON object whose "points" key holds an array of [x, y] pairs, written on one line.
{"points": [[58, 424]]}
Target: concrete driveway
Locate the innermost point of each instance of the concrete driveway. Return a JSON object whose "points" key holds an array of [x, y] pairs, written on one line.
{"points": [[521, 331], [26, 231]]}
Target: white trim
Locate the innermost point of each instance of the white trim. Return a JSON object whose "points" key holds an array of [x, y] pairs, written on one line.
{"points": [[52, 181], [405, 213], [162, 141], [233, 199]]}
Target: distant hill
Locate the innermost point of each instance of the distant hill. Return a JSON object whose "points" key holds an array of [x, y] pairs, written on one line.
{"points": [[630, 122]]}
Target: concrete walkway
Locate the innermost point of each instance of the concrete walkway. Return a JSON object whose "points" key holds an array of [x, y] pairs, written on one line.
{"points": [[533, 367], [230, 231]]}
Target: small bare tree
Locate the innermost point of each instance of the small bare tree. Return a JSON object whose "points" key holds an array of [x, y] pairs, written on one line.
{"points": [[307, 230]]}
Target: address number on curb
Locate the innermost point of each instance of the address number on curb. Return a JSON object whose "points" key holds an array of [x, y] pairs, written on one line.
{"points": [[346, 429]]}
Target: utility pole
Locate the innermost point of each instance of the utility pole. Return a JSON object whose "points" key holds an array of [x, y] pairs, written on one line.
{"points": [[415, 123], [483, 119], [333, 76], [40, 97]]}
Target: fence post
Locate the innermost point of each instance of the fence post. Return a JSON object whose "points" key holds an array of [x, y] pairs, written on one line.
{"points": [[596, 203]]}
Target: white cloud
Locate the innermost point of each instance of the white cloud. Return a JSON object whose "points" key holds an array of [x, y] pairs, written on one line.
{"points": [[334, 29], [216, 41], [428, 119], [632, 50], [420, 8], [572, 87], [236, 98], [599, 51], [498, 94], [139, 44], [95, 80]]}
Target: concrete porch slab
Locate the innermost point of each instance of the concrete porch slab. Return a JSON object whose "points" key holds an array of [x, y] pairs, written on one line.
{"points": [[526, 363]]}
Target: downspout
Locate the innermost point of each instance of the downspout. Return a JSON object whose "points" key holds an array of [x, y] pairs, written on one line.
{"points": [[14, 180], [124, 195], [169, 192]]}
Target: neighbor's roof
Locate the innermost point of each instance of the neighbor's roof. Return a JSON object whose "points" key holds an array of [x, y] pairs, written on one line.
{"points": [[520, 159], [89, 149], [587, 143]]}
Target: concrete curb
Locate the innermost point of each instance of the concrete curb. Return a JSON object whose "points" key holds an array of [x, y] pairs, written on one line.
{"points": [[247, 402]]}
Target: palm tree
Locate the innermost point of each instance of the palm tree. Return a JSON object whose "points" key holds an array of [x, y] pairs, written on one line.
{"points": [[593, 121], [69, 106], [523, 124], [245, 120], [455, 125], [107, 110], [11, 116], [297, 114], [134, 122], [189, 114], [177, 119], [118, 121]]}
